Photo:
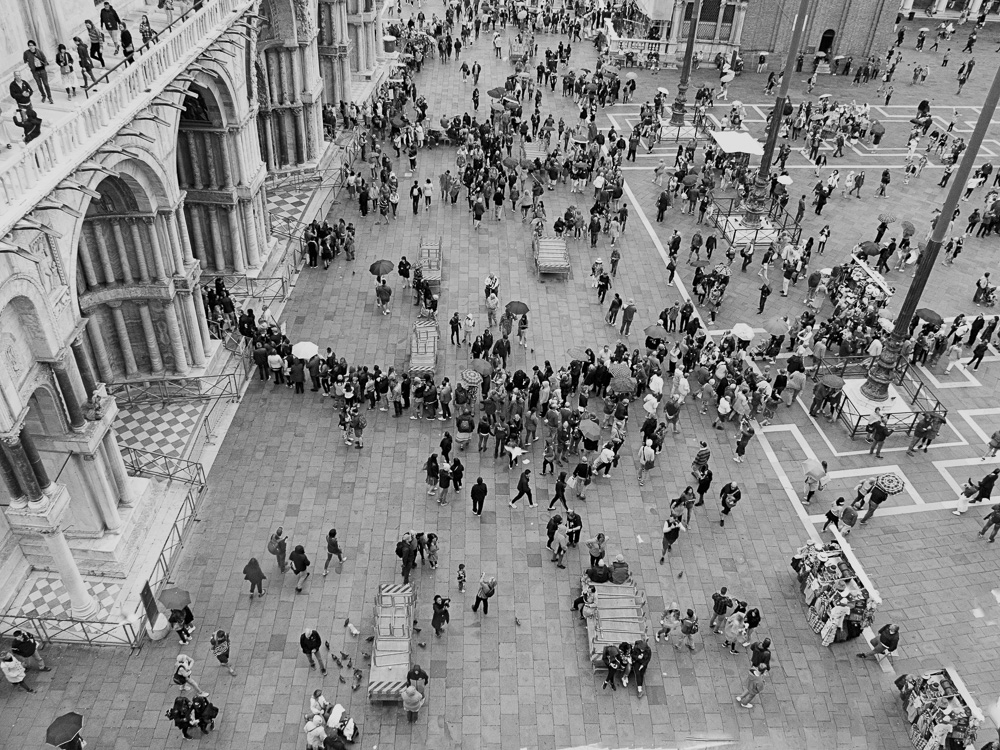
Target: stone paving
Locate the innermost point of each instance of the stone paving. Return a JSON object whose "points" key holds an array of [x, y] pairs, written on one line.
{"points": [[496, 684]]}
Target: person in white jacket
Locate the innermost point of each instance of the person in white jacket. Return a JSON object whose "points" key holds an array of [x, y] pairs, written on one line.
{"points": [[14, 671]]}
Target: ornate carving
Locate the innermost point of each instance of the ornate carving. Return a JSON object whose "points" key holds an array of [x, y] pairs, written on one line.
{"points": [[50, 271], [97, 404], [305, 26]]}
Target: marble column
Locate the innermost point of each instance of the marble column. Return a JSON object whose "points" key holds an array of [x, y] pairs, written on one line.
{"points": [[182, 232], [74, 409], [83, 603], [198, 228], [213, 172], [105, 495], [250, 233], [87, 261], [11, 482], [102, 251], [116, 230], [154, 242], [973, 7], [199, 309], [84, 365], [165, 222], [192, 146], [273, 76], [741, 15], [152, 345], [285, 86], [213, 223], [227, 161], [676, 21], [288, 121], [35, 461], [96, 333], [131, 369], [176, 338], [195, 343], [115, 462], [140, 251], [268, 141], [234, 238], [718, 22], [21, 467]]}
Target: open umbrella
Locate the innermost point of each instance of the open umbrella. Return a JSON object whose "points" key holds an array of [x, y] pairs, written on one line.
{"points": [[928, 315], [824, 96], [381, 267], [890, 483], [517, 308], [924, 29], [820, 54], [784, 179], [870, 248], [622, 385], [510, 162], [620, 370], [589, 429], [175, 598], [398, 122], [832, 381], [496, 92], [631, 76], [908, 228], [524, 74], [482, 366], [305, 350], [887, 217], [701, 263], [839, 57], [811, 467], [471, 378], [737, 103], [886, 324], [577, 353], [727, 77], [663, 90], [527, 164], [591, 87], [743, 332], [816, 116], [64, 729], [655, 331], [581, 139], [690, 180], [511, 104], [777, 327]]}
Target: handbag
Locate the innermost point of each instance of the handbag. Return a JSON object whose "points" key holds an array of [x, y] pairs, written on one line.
{"points": [[571, 482], [65, 69]]}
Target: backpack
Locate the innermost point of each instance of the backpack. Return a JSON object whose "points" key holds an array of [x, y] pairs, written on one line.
{"points": [[400, 548], [272, 546]]}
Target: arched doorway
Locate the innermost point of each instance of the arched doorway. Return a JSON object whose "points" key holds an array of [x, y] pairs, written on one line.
{"points": [[826, 41]]}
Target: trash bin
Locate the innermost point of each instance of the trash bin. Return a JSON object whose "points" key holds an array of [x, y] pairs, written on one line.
{"points": [[911, 15], [389, 42]]}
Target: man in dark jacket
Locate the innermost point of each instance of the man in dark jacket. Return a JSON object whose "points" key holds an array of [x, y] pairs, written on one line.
{"points": [[25, 647], [478, 492], [523, 488], [260, 359], [986, 487], [21, 91], [310, 643], [300, 567], [888, 640], [36, 61], [111, 22]]}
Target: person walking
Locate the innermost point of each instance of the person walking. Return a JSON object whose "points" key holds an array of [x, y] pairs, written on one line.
{"points": [[413, 700], [523, 488], [14, 671], [754, 684], [182, 714], [689, 628], [253, 573], [333, 548], [720, 605], [735, 628], [559, 493], [875, 499], [729, 495], [310, 643], [300, 567], [879, 433], [671, 531], [37, 63], [441, 616], [646, 460], [382, 295], [183, 667], [701, 459], [478, 492], [985, 487], [993, 519], [487, 588], [746, 435], [25, 647], [277, 545], [221, 648]]}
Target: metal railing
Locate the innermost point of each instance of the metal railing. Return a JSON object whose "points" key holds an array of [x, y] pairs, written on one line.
{"points": [[167, 390], [148, 464], [36, 170], [174, 543], [74, 632], [781, 223], [270, 289], [918, 398]]}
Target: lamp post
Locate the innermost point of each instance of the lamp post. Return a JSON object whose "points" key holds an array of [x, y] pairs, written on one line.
{"points": [[757, 200], [882, 371], [677, 110]]}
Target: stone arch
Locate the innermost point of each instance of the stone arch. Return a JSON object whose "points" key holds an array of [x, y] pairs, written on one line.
{"points": [[46, 415], [27, 335]]}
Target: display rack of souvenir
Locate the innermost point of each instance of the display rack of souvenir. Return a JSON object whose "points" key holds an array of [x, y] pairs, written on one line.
{"points": [[941, 713], [840, 597]]}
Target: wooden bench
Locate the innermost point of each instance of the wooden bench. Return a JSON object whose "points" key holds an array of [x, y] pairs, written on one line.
{"points": [[550, 255], [391, 648], [424, 347], [430, 262]]}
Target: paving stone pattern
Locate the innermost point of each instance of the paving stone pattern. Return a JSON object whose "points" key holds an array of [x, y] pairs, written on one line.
{"points": [[495, 684]]}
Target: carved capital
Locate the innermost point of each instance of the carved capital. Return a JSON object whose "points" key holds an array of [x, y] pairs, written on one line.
{"points": [[148, 220]]}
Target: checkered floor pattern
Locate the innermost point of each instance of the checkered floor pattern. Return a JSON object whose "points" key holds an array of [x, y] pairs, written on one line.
{"points": [[47, 597], [168, 429], [290, 203]]}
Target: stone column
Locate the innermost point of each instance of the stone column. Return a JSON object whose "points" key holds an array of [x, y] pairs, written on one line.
{"points": [[192, 147], [152, 345], [283, 81], [973, 7], [741, 15], [199, 236], [234, 238], [87, 260], [116, 229], [250, 233], [104, 494], [115, 462], [164, 220], [140, 251], [96, 333], [227, 162], [154, 242], [131, 369], [21, 467], [199, 309], [10, 480], [260, 220], [83, 604], [273, 75], [102, 250], [73, 407], [176, 338], [718, 22], [35, 460], [213, 172], [193, 329], [182, 232], [301, 154], [213, 223], [288, 124], [268, 141], [676, 21], [84, 365]]}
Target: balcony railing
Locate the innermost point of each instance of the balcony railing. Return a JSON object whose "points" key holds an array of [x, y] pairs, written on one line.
{"points": [[38, 169], [167, 390]]}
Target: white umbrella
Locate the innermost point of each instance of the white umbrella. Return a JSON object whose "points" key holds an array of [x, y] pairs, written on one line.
{"points": [[824, 96], [727, 77], [305, 350], [662, 90], [743, 332], [737, 103], [784, 179]]}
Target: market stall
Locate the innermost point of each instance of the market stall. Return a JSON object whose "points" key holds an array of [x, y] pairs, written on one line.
{"points": [[940, 711], [858, 286], [841, 598]]}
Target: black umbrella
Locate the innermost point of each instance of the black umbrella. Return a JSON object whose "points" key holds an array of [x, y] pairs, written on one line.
{"points": [[381, 267], [496, 93], [517, 308], [926, 314], [64, 729]]}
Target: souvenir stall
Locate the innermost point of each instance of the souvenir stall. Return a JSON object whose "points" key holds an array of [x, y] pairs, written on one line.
{"points": [[840, 596], [940, 711], [859, 286]]}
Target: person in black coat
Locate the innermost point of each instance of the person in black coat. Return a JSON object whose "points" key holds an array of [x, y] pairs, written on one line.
{"points": [[310, 642], [641, 654]]}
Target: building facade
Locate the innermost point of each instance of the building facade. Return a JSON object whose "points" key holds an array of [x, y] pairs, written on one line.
{"points": [[108, 221]]}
